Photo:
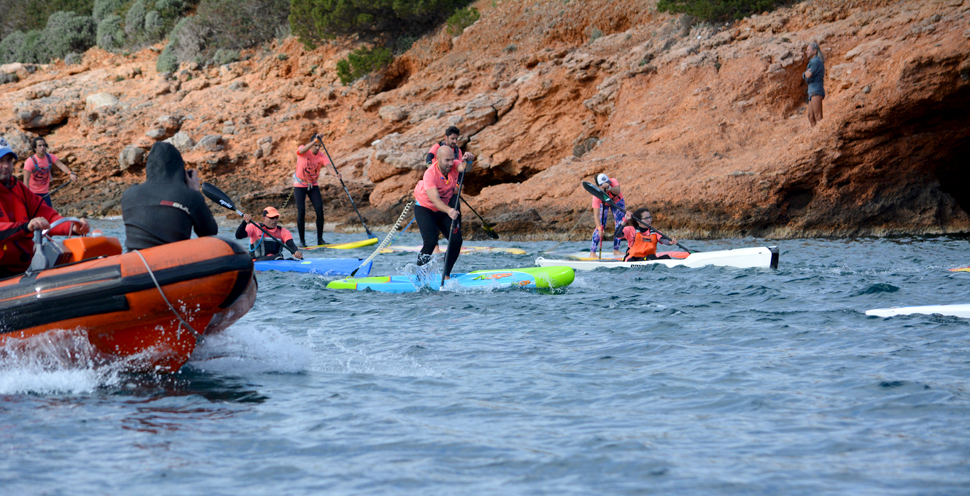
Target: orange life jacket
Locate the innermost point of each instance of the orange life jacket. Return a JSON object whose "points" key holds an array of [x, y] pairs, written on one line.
{"points": [[644, 244]]}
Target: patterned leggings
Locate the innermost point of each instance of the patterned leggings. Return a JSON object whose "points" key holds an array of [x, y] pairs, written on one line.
{"points": [[618, 214]]}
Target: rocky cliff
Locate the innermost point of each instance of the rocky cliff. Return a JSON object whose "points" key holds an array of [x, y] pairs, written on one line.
{"points": [[703, 123]]}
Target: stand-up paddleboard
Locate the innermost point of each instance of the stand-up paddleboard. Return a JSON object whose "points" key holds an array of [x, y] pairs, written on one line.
{"points": [[464, 249], [527, 278], [346, 246], [318, 266], [960, 269], [743, 258], [960, 310]]}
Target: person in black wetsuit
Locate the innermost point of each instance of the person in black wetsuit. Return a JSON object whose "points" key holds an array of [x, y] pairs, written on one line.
{"points": [[168, 205], [451, 139]]}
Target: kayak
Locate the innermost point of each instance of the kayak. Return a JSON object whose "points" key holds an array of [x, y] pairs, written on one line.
{"points": [[464, 249], [960, 310], [584, 255], [346, 246], [527, 278], [318, 266], [122, 304], [743, 258]]}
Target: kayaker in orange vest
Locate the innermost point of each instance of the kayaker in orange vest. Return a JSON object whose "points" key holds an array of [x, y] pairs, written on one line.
{"points": [[263, 247], [641, 239], [21, 213]]}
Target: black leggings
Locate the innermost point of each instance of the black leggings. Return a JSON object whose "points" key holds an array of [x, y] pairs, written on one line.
{"points": [[430, 223], [299, 196]]}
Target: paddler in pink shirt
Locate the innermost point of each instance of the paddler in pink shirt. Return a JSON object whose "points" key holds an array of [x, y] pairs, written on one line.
{"points": [[311, 163], [37, 170], [437, 205]]}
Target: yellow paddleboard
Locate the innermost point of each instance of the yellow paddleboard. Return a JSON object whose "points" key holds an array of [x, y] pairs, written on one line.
{"points": [[346, 246], [961, 269]]}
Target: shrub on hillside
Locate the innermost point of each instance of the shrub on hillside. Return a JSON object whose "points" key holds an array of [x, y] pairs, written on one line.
{"points": [[719, 10], [111, 34], [68, 32], [104, 8], [316, 20], [154, 26], [28, 15], [225, 56], [135, 20], [236, 24], [362, 62], [10, 47], [461, 19], [167, 62]]}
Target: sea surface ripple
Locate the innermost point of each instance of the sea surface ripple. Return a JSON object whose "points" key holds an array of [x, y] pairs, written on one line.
{"points": [[648, 381]]}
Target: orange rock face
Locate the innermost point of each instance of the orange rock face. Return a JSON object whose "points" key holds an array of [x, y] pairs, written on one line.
{"points": [[704, 124]]}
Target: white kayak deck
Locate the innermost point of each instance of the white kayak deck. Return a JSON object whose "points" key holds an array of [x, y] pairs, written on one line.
{"points": [[760, 257], [960, 310]]}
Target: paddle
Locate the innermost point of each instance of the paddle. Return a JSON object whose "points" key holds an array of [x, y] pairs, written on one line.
{"points": [[488, 229], [598, 193], [451, 232], [352, 202], [215, 194], [55, 190]]}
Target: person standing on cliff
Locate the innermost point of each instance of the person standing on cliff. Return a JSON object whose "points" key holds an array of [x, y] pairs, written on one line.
{"points": [[37, 170], [814, 75], [310, 164], [451, 139], [611, 187]]}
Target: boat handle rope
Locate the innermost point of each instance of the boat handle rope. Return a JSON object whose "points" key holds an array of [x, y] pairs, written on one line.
{"points": [[198, 337], [387, 239]]}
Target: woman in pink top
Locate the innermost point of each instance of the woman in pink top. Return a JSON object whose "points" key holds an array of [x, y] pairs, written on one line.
{"points": [[611, 187], [37, 170], [436, 205], [310, 164]]}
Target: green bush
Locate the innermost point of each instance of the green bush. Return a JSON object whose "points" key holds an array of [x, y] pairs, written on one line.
{"points": [[73, 58], [719, 10], [135, 20], [68, 32], [225, 56], [237, 24], [154, 26], [461, 19], [8, 77], [111, 35], [104, 8], [10, 47], [27, 15], [362, 62], [316, 20], [167, 61]]}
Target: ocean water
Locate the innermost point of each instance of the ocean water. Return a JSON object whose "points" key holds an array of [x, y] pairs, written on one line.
{"points": [[646, 381]]}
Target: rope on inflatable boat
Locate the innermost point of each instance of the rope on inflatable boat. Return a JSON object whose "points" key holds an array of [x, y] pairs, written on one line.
{"points": [[387, 239], [198, 337]]}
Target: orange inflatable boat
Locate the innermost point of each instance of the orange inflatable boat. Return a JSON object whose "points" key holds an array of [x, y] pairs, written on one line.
{"points": [[149, 307]]}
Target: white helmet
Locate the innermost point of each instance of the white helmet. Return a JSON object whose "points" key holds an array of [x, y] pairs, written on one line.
{"points": [[602, 179]]}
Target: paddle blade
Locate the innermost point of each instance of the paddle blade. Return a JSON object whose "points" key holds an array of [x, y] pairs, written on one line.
{"points": [[488, 230], [215, 194], [598, 193]]}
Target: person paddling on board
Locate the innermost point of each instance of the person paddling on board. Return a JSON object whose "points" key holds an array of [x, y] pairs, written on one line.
{"points": [[310, 165], [451, 139], [641, 240], [436, 205], [612, 188], [168, 205], [21, 213], [261, 246], [37, 170]]}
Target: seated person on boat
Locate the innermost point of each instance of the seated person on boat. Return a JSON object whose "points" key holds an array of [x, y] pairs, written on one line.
{"points": [[263, 247], [640, 237], [168, 205], [21, 213]]}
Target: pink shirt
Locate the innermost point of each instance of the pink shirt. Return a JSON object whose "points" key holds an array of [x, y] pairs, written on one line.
{"points": [[255, 234], [597, 203], [308, 168], [40, 173], [434, 179]]}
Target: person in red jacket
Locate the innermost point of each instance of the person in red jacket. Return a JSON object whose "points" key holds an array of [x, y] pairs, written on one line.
{"points": [[21, 213]]}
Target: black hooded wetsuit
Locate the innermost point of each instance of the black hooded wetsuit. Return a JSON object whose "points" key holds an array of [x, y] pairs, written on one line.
{"points": [[163, 209]]}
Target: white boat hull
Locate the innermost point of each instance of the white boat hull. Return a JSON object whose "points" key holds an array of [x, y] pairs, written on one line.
{"points": [[743, 258], [961, 310]]}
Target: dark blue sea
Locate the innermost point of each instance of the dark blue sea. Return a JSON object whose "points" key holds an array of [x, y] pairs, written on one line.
{"points": [[647, 381]]}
